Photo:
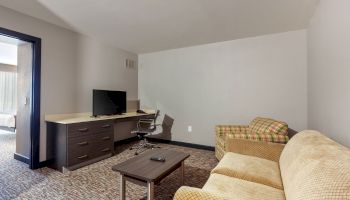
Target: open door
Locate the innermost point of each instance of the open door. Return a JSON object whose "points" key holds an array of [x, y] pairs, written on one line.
{"points": [[24, 94], [28, 119]]}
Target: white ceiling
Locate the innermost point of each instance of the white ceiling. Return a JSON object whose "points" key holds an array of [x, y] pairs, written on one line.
{"points": [[143, 26]]}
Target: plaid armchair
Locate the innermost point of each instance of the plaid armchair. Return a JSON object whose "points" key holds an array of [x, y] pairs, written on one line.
{"points": [[260, 129]]}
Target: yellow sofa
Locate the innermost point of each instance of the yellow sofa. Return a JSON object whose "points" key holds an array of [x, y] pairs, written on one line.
{"points": [[259, 129], [310, 166]]}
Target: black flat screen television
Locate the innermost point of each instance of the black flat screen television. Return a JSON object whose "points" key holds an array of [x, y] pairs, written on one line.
{"points": [[106, 102]]}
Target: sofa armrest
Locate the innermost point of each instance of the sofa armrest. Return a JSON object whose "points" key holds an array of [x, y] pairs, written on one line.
{"points": [[224, 129], [266, 150], [191, 193]]}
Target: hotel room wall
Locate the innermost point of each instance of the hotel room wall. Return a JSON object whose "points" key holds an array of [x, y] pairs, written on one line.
{"points": [[103, 67], [227, 83], [329, 70], [64, 56]]}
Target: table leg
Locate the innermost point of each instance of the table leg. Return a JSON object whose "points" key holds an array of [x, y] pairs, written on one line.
{"points": [[150, 192], [182, 172], [122, 187]]}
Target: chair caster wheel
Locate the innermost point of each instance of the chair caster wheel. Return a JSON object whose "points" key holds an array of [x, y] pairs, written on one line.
{"points": [[136, 154], [130, 148]]}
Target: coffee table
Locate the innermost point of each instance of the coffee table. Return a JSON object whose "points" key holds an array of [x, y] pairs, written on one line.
{"points": [[143, 171]]}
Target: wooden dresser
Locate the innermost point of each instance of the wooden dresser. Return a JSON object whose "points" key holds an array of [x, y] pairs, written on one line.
{"points": [[79, 140], [79, 144]]}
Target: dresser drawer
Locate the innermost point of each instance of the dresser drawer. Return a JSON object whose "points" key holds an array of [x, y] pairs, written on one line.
{"points": [[84, 157], [89, 128], [99, 137], [82, 149]]}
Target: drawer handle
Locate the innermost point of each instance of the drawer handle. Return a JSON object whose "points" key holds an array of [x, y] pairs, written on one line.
{"points": [[82, 157], [105, 150], [106, 126], [83, 129], [106, 138], [83, 143]]}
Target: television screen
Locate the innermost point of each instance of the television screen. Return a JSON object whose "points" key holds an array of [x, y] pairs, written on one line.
{"points": [[108, 102]]}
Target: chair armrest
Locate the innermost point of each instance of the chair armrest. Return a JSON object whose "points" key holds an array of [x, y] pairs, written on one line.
{"points": [[224, 129], [190, 193], [266, 150], [144, 122]]}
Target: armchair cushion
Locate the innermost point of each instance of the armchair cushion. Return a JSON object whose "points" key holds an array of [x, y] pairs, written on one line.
{"points": [[250, 168], [262, 125], [233, 188]]}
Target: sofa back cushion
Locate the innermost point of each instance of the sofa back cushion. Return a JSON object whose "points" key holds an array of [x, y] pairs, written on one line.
{"points": [[315, 167], [262, 125]]}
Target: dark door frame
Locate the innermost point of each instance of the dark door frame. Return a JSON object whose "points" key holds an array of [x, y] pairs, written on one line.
{"points": [[34, 161]]}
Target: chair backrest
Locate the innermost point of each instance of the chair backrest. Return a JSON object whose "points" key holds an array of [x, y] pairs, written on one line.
{"points": [[315, 167], [262, 125]]}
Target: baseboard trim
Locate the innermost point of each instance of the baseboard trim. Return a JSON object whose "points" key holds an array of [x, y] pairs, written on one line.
{"points": [[183, 144], [21, 158]]}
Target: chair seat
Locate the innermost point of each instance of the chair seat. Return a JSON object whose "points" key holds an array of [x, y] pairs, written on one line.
{"points": [[233, 188], [250, 168], [142, 131]]}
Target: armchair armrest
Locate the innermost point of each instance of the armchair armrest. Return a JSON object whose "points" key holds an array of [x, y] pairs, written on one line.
{"points": [[224, 129], [190, 193], [266, 150]]}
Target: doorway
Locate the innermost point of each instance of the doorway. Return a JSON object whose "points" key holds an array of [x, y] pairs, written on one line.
{"points": [[27, 118]]}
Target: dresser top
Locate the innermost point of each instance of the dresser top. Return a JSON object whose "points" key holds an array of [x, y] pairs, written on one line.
{"points": [[87, 117]]}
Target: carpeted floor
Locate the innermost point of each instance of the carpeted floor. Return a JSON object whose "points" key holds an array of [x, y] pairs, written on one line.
{"points": [[96, 181]]}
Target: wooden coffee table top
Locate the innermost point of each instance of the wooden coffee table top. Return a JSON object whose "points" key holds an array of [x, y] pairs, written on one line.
{"points": [[144, 169]]}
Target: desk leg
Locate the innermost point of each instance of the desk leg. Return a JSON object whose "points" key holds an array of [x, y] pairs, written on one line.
{"points": [[182, 172], [150, 192], [122, 187]]}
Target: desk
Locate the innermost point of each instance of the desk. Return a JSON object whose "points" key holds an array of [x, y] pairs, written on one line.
{"points": [[76, 140]]}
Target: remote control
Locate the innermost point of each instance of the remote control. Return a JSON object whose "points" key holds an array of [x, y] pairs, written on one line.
{"points": [[158, 158]]}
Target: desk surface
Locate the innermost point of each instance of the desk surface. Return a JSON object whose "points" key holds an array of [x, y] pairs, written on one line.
{"points": [[87, 117]]}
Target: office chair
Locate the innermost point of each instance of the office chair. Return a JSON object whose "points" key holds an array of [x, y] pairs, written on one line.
{"points": [[145, 127]]}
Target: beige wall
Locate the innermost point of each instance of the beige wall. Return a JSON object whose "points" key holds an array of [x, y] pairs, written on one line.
{"points": [[64, 54], [227, 83], [103, 67], [329, 70]]}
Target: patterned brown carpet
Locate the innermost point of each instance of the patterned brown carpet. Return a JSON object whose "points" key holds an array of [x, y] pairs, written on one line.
{"points": [[96, 181]]}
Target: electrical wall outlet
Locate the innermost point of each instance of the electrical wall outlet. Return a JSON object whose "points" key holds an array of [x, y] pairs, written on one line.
{"points": [[189, 129]]}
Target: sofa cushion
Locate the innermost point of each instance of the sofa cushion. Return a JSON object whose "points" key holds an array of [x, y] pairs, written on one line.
{"points": [[233, 188], [265, 125], [250, 168], [315, 167]]}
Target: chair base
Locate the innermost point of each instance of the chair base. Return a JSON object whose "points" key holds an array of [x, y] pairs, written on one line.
{"points": [[142, 146]]}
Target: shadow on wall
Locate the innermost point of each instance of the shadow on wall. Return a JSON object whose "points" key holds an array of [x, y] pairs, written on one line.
{"points": [[166, 129]]}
